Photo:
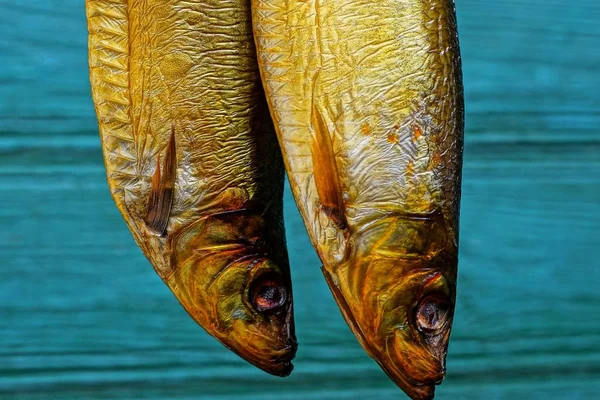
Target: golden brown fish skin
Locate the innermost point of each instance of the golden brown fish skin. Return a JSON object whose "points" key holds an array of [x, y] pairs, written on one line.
{"points": [[193, 163], [380, 84]]}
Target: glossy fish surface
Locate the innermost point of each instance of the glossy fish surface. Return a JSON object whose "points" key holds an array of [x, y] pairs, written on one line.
{"points": [[193, 163], [367, 102]]}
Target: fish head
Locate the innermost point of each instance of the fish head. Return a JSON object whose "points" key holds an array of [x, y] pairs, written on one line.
{"points": [[252, 303], [236, 289], [415, 321], [399, 294]]}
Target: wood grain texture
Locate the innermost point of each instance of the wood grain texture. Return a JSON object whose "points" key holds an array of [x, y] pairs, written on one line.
{"points": [[84, 317]]}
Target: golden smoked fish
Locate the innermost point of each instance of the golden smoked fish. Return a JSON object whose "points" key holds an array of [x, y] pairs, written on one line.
{"points": [[193, 163], [367, 102]]}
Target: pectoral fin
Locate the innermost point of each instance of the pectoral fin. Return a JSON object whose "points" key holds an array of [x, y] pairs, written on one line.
{"points": [[325, 172], [163, 185]]}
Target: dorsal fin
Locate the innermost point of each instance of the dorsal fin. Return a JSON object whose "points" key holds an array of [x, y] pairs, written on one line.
{"points": [[163, 185], [325, 172]]}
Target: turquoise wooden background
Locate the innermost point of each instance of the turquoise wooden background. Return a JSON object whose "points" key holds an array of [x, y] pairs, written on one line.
{"points": [[82, 314]]}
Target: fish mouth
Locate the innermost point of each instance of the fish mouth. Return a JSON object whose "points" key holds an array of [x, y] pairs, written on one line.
{"points": [[280, 361], [414, 389], [282, 368], [281, 365], [283, 371], [424, 392]]}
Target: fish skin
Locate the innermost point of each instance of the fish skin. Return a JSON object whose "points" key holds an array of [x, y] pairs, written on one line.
{"points": [[176, 85], [383, 79]]}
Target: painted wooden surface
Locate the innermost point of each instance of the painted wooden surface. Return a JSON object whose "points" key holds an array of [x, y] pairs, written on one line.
{"points": [[82, 314]]}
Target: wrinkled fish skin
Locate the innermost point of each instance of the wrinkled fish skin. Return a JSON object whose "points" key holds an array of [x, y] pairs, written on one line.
{"points": [[193, 163], [367, 101]]}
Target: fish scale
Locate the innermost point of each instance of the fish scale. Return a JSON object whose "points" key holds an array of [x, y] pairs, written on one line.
{"points": [[367, 103], [188, 147]]}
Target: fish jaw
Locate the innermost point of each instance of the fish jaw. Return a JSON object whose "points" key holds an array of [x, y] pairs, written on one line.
{"points": [[400, 307], [273, 356]]}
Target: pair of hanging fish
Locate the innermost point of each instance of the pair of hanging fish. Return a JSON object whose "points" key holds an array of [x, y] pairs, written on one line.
{"points": [[366, 100]]}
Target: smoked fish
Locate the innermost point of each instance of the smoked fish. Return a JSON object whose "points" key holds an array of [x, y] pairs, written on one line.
{"points": [[367, 101], [193, 163]]}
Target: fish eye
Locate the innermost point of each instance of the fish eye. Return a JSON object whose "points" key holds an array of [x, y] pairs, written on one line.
{"points": [[268, 293], [432, 313]]}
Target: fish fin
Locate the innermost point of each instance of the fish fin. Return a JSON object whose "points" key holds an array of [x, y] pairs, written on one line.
{"points": [[325, 172], [163, 187], [155, 192]]}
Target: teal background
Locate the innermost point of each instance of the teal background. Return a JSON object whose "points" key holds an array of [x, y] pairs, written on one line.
{"points": [[82, 314]]}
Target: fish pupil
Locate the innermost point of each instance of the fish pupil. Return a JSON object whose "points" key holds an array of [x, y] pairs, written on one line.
{"points": [[268, 294], [432, 314]]}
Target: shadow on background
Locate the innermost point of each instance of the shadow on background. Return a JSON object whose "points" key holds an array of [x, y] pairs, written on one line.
{"points": [[84, 316]]}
